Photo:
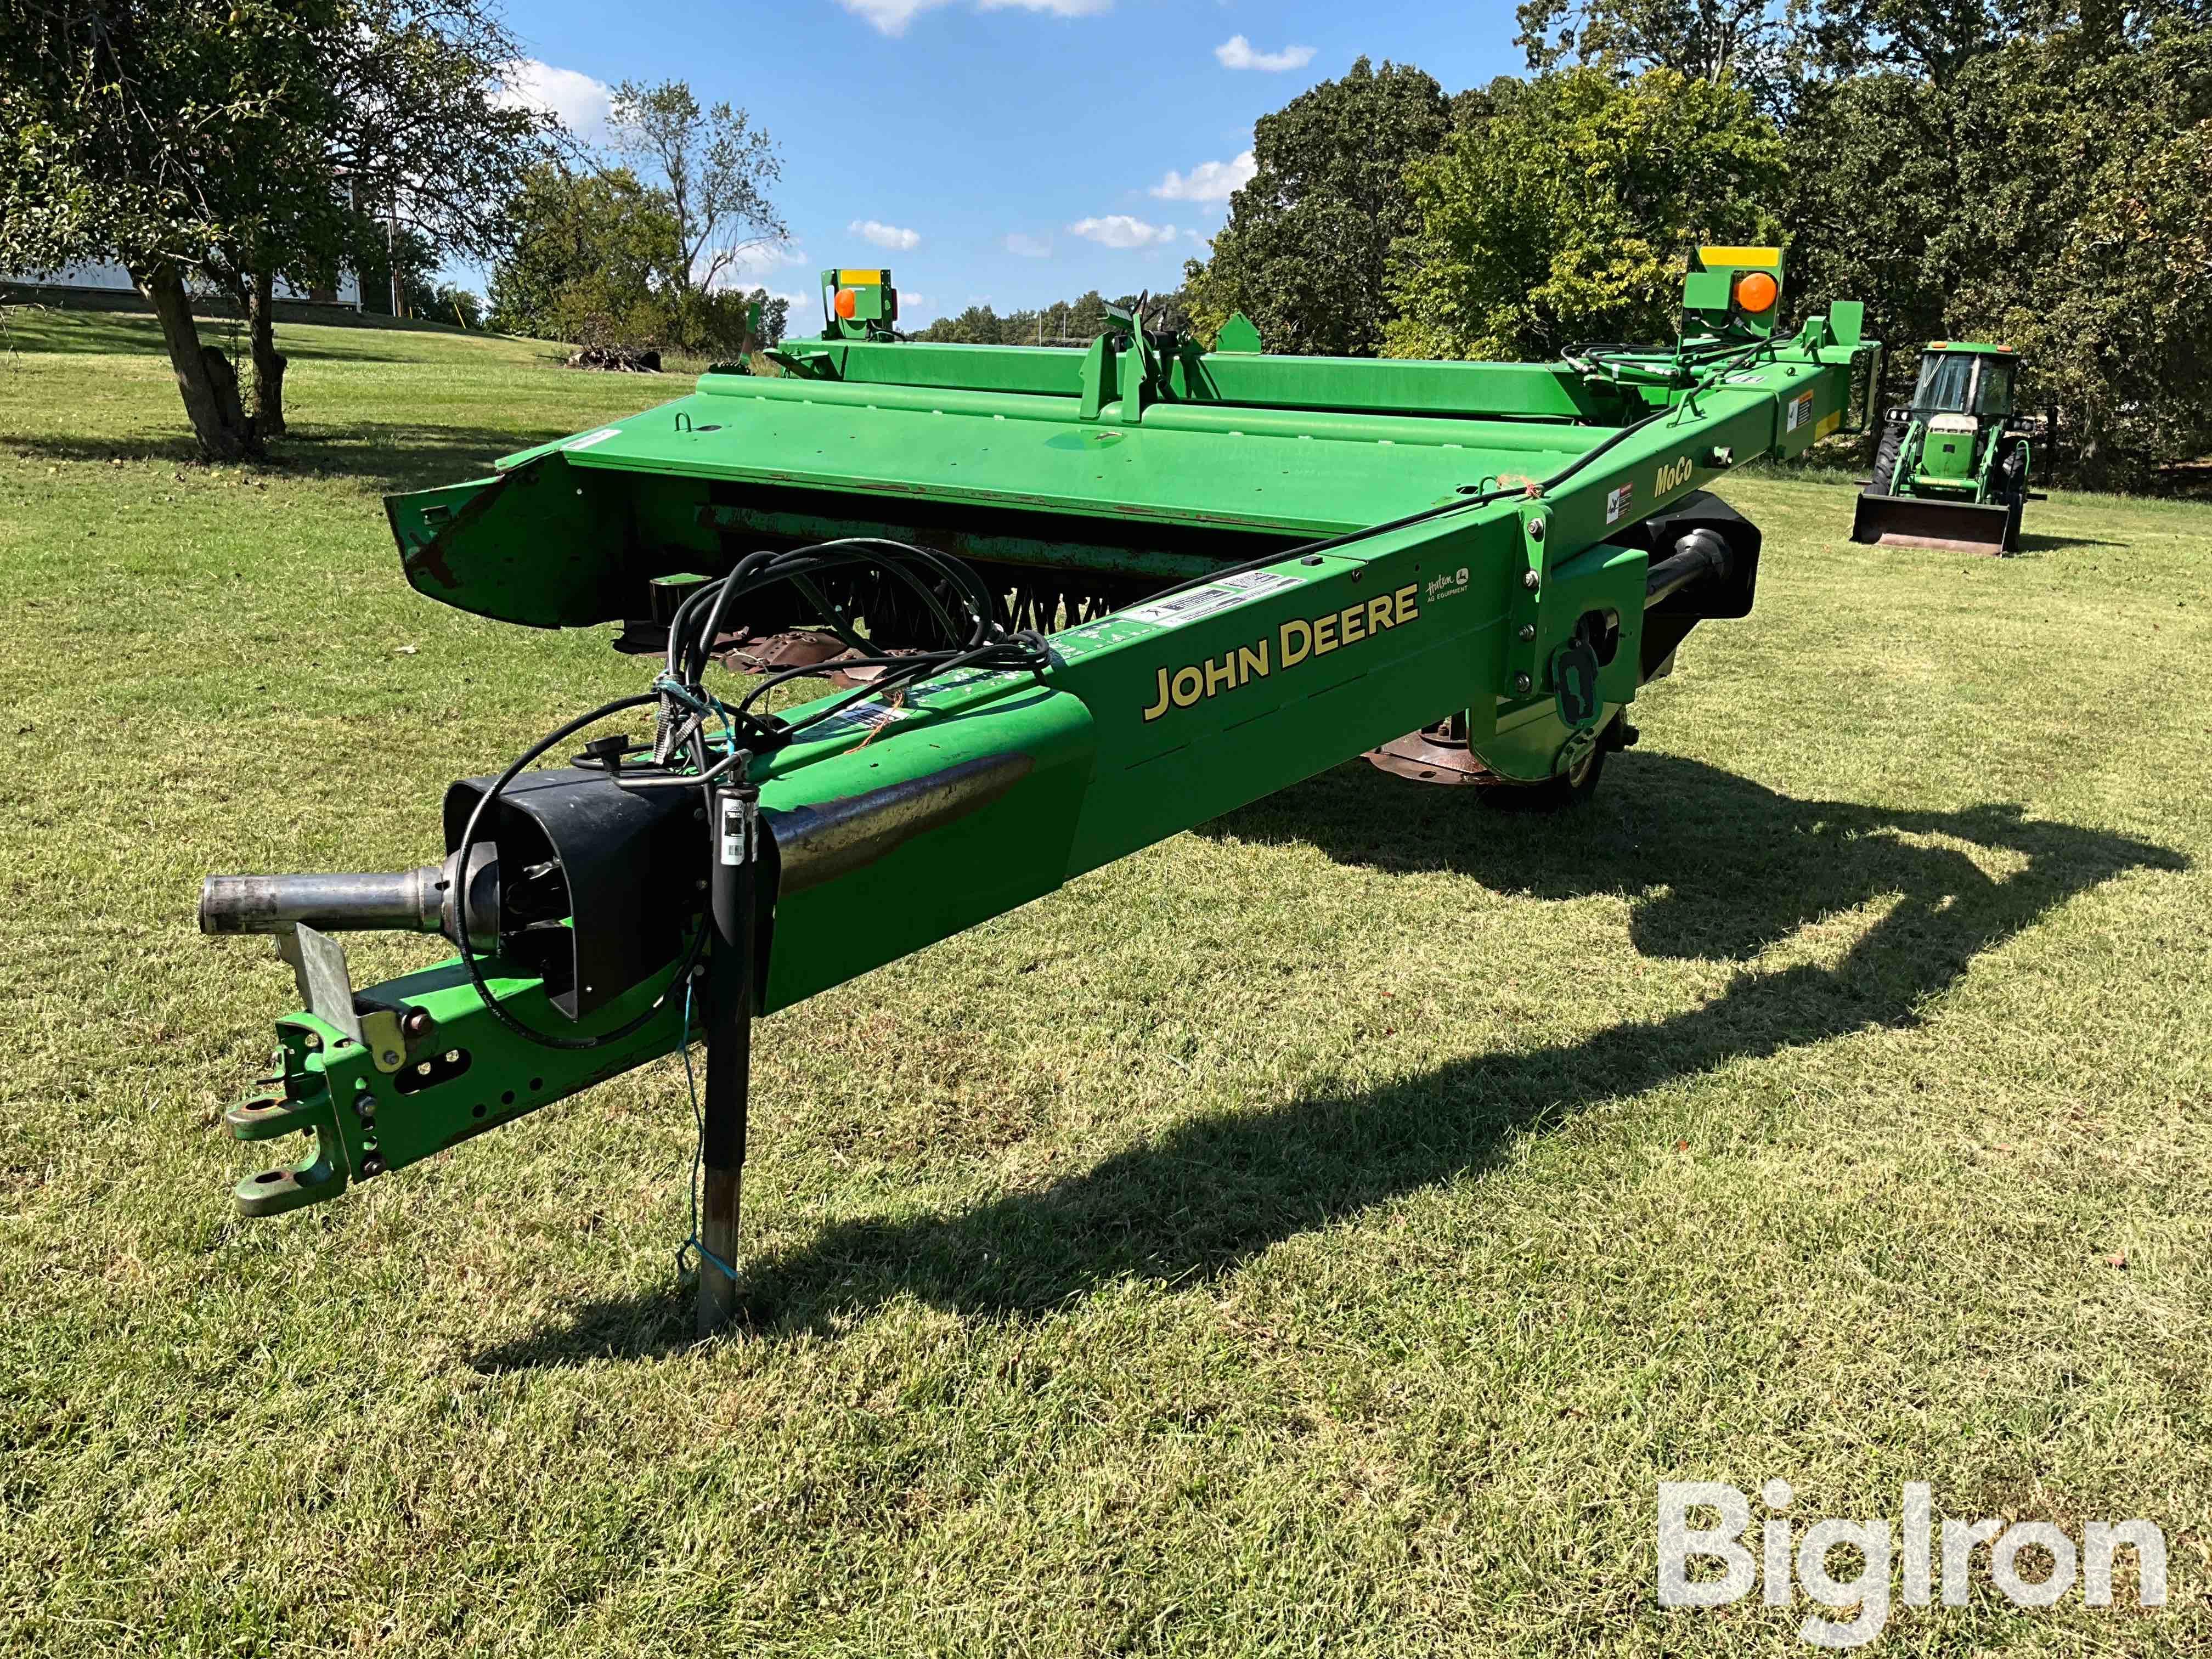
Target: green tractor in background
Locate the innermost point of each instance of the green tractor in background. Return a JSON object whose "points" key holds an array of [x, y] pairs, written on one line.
{"points": [[1951, 468]]}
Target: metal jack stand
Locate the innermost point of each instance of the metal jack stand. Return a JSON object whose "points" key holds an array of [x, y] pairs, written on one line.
{"points": [[729, 1049]]}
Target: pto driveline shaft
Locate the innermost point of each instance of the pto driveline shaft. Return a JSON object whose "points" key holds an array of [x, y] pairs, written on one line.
{"points": [[404, 900]]}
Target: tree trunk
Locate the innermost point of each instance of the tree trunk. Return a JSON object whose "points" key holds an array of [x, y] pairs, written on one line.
{"points": [[268, 362], [204, 378]]}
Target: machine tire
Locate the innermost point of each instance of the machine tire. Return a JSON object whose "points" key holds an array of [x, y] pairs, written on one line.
{"points": [[1885, 459], [1571, 789], [2015, 478]]}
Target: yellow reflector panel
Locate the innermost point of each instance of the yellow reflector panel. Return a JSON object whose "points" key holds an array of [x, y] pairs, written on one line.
{"points": [[861, 278], [1769, 256]]}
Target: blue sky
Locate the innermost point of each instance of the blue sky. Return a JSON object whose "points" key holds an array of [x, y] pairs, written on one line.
{"points": [[1011, 152]]}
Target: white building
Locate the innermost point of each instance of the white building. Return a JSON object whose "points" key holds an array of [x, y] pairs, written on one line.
{"points": [[104, 278]]}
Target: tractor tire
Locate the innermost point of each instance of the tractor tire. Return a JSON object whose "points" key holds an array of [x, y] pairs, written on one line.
{"points": [[1573, 788], [2014, 471], [1884, 458]]}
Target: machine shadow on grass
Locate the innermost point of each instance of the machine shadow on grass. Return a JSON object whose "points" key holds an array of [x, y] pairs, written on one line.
{"points": [[391, 457], [2035, 542], [1716, 867]]}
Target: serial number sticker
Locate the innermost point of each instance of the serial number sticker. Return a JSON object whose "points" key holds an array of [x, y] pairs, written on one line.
{"points": [[591, 438], [962, 678], [1801, 411], [871, 716], [1616, 502], [1214, 596]]}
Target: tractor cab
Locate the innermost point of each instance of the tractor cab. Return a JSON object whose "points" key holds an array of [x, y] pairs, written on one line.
{"points": [[1951, 467], [1964, 395], [1966, 379]]}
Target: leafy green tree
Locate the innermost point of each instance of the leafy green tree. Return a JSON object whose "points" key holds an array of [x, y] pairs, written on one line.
{"points": [[1748, 42], [1059, 323], [592, 263], [157, 135], [2083, 235], [1874, 183], [1568, 211], [376, 253], [1933, 43], [589, 252], [1305, 252], [2047, 191], [715, 170], [242, 141], [978, 325], [1087, 317], [426, 149], [775, 316]]}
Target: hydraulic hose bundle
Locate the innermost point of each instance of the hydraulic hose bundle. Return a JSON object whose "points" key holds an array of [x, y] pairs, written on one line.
{"points": [[687, 754]]}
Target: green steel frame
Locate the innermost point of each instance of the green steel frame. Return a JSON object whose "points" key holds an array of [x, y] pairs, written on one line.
{"points": [[1483, 516]]}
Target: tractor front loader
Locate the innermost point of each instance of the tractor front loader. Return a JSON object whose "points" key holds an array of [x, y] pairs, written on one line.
{"points": [[1951, 468]]}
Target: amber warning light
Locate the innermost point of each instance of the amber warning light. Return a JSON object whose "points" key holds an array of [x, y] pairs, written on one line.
{"points": [[1756, 292]]}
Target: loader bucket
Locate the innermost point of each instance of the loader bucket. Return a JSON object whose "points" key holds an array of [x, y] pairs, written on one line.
{"points": [[1926, 521]]}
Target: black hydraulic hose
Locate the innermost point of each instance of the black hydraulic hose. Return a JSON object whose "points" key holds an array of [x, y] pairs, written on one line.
{"points": [[688, 653], [1025, 650], [686, 659]]}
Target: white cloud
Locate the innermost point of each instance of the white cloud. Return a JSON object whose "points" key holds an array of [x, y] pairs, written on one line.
{"points": [[580, 102], [805, 313], [891, 16], [761, 266], [762, 260], [1209, 181], [1029, 247], [1057, 8], [883, 235], [1120, 230], [1237, 53]]}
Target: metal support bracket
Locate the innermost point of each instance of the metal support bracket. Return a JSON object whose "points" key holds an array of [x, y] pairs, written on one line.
{"points": [[324, 979], [1524, 661]]}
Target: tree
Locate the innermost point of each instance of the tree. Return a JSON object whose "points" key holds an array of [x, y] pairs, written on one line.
{"points": [[2082, 235], [1748, 42], [977, 325], [1933, 43], [2047, 191], [1873, 183], [248, 141], [1305, 252], [424, 139], [1058, 324], [588, 256], [378, 252], [1568, 213], [591, 263], [715, 168], [1087, 317], [157, 135], [774, 315]]}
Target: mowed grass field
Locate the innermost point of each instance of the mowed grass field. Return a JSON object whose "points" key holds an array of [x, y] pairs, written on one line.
{"points": [[1316, 1235]]}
